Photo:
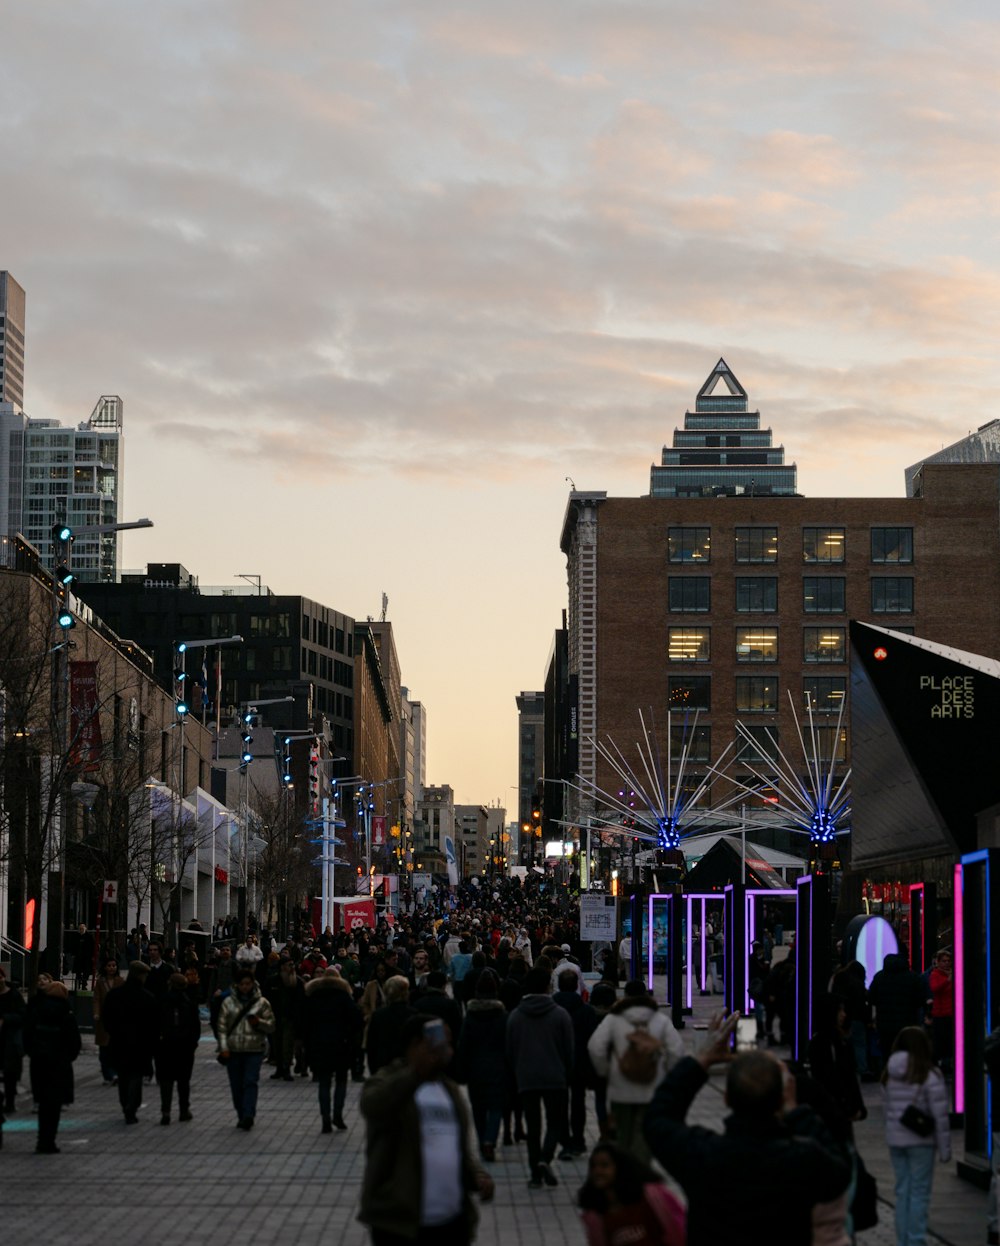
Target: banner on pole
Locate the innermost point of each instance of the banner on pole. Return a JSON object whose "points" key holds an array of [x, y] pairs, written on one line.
{"points": [[84, 721], [378, 830]]}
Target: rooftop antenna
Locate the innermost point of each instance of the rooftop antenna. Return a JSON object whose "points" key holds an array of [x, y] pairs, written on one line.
{"points": [[385, 607], [251, 577], [572, 482]]}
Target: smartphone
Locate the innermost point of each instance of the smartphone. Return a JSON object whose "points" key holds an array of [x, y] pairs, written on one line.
{"points": [[746, 1034], [436, 1034]]}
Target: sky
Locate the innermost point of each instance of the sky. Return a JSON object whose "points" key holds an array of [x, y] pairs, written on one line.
{"points": [[377, 280]]}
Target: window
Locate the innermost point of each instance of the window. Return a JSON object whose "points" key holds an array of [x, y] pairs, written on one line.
{"points": [[697, 741], [689, 544], [892, 545], [892, 594], [690, 692], [756, 644], [830, 740], [691, 594], [274, 625], [824, 644], [756, 594], [688, 644], [756, 544], [825, 692], [756, 694], [823, 595], [823, 544], [763, 749]]}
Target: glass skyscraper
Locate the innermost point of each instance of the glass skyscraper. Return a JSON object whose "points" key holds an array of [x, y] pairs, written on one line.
{"points": [[722, 451]]}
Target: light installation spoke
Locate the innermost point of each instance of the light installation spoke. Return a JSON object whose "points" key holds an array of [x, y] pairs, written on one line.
{"points": [[818, 802]]}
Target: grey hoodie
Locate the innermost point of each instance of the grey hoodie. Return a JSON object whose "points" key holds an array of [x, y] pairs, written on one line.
{"points": [[540, 1044]]}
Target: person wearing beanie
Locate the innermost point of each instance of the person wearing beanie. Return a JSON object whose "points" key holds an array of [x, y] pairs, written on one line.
{"points": [[541, 1056], [480, 1061], [132, 1021], [179, 1035], [52, 1043]]}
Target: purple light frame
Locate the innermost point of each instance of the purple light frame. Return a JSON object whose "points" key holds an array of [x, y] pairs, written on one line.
{"points": [[751, 896], [958, 939], [689, 897]]}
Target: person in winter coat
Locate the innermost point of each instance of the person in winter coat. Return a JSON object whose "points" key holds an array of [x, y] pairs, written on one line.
{"points": [[132, 1019], [898, 997], [623, 1200], [285, 992], [249, 954], [332, 1026], [385, 1028], [760, 1179], [628, 1098], [420, 1171], [52, 1042], [831, 1058], [849, 984], [541, 1057], [910, 1079], [436, 1002], [11, 1041], [245, 1020], [180, 1033], [109, 979], [480, 1061], [585, 1022]]}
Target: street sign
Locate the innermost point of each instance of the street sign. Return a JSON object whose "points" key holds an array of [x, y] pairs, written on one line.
{"points": [[109, 892]]}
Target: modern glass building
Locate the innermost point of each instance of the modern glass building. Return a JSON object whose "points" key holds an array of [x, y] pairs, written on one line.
{"points": [[722, 451]]}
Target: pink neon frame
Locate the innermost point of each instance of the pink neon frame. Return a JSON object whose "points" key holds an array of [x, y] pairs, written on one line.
{"points": [[958, 931]]}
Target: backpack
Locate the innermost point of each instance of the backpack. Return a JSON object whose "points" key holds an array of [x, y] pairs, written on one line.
{"points": [[640, 1060]]}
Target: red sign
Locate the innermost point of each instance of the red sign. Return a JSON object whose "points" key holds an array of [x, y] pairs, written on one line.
{"points": [[881, 654], [221, 876], [378, 830], [84, 723], [354, 914]]}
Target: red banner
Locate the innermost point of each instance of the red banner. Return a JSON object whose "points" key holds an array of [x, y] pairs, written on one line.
{"points": [[84, 721], [378, 831]]}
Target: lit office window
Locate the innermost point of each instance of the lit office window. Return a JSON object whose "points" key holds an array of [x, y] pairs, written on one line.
{"points": [[824, 692], [688, 644], [756, 544], [689, 692], [824, 644], [756, 644], [823, 544], [689, 545], [756, 694]]}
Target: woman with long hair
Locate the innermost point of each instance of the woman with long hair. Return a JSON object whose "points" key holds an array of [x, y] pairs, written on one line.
{"points": [[916, 1121], [623, 1199]]}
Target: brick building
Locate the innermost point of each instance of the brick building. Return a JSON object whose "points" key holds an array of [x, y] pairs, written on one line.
{"points": [[729, 603]]}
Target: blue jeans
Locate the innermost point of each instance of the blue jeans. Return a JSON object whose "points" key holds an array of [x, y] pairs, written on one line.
{"points": [[243, 1068], [914, 1169]]}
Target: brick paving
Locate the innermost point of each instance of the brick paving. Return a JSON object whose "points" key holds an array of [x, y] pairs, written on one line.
{"points": [[285, 1182]]}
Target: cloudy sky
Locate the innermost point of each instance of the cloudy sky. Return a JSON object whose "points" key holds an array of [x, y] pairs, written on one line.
{"points": [[373, 278]]}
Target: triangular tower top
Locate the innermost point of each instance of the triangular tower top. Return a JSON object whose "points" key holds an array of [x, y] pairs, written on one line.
{"points": [[721, 372]]}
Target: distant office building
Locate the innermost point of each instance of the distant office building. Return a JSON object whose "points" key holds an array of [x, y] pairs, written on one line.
{"points": [[472, 833], [722, 451], [435, 825], [530, 749], [11, 341]]}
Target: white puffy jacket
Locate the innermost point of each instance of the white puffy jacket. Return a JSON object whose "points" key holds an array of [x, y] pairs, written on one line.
{"points": [[610, 1040], [931, 1097]]}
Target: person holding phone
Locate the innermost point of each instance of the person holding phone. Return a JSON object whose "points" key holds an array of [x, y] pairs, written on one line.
{"points": [[420, 1168]]}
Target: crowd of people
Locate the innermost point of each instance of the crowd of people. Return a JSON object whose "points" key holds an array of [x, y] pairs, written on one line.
{"points": [[491, 996]]}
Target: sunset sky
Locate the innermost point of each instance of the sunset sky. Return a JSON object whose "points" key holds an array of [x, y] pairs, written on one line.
{"points": [[374, 278]]}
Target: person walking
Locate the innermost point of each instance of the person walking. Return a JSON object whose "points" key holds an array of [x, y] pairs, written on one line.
{"points": [[420, 1171], [109, 979], [585, 1021], [285, 992], [332, 1025], [633, 1047], [12, 1010], [916, 1126], [942, 989], [52, 1042], [131, 1017], [481, 1061], [385, 1026], [179, 1035], [245, 1021], [541, 1056], [899, 998]]}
